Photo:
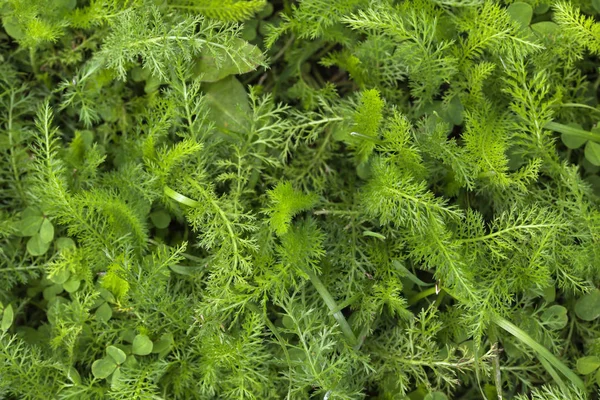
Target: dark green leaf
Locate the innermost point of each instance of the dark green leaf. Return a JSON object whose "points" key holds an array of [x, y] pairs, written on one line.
{"points": [[7, 318], [161, 219], [587, 307], [228, 103], [104, 313], [214, 67], [592, 152]]}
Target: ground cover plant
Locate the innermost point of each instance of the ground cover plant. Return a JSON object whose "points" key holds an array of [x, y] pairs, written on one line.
{"points": [[316, 199]]}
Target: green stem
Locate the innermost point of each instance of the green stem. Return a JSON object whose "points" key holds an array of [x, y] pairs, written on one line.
{"points": [[421, 295], [332, 305], [569, 130], [542, 352]]}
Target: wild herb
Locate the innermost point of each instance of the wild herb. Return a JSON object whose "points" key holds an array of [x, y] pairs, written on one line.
{"points": [[315, 199]]}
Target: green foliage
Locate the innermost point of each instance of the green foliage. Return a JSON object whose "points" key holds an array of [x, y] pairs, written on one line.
{"points": [[251, 199]]}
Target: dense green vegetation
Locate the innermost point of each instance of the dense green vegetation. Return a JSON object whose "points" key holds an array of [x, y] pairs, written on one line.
{"points": [[315, 199]]}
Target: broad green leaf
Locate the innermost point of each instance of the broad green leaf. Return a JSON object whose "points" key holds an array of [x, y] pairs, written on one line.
{"points": [[51, 291], [455, 111], [106, 295], [587, 365], [139, 74], [185, 270], [436, 396], [161, 219], [214, 67], [163, 344], [521, 12], [104, 313], [587, 307], [549, 294], [555, 317], [74, 376], [573, 141], [594, 182], [47, 231], [228, 104], [592, 152], [115, 378], [546, 28], [61, 276], [596, 5], [249, 31], [64, 243], [288, 322], [7, 318], [117, 354], [30, 225], [65, 4], [541, 9], [72, 285], [142, 345], [102, 368], [13, 28], [36, 246]]}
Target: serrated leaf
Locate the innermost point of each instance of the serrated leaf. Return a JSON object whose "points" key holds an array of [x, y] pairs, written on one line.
{"points": [[160, 219], [214, 67], [36, 246], [47, 231], [104, 313], [587, 365], [142, 345], [30, 225], [102, 368], [521, 12], [592, 152], [228, 104], [7, 318], [555, 317], [587, 307], [116, 354]]}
